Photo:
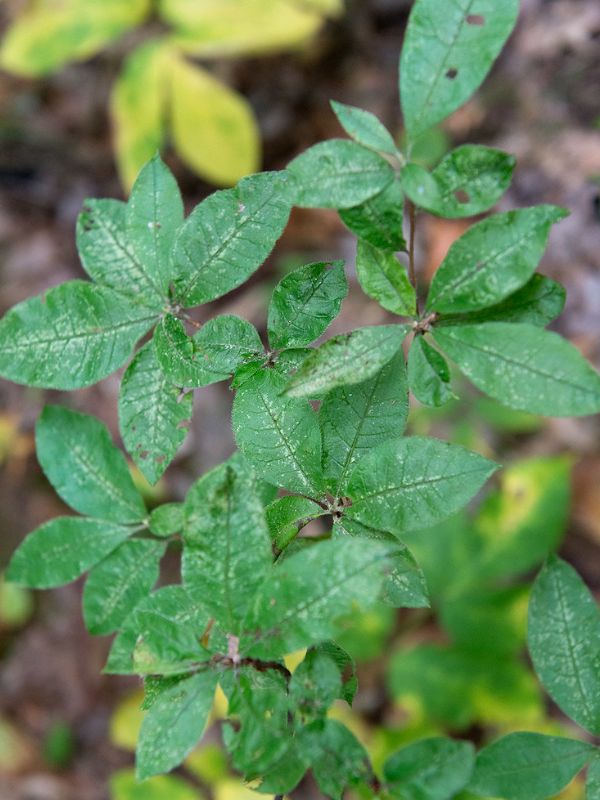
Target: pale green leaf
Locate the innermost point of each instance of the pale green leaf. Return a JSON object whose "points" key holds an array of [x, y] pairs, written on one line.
{"points": [[305, 302], [384, 278], [492, 259], [446, 56], [364, 128], [379, 219], [338, 174], [428, 374], [524, 367], [346, 359], [72, 336], [166, 520], [124, 786], [84, 466], [117, 584], [430, 769], [63, 549], [564, 642]]}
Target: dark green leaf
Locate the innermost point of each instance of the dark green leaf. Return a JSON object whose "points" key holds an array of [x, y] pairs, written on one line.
{"points": [[430, 769], [364, 128], [63, 549], [279, 435], [379, 219], [492, 259], [174, 724], [228, 236], [305, 302], [346, 359], [314, 686], [153, 414], [428, 374], [524, 367], [564, 642], [338, 174], [468, 181], [414, 482], [528, 766], [84, 466], [71, 336], [445, 57], [287, 515], [384, 279], [117, 584], [356, 418], [346, 667]]}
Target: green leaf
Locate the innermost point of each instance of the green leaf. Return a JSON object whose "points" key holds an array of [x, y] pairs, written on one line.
{"points": [[108, 256], [124, 786], [346, 667], [528, 766], [72, 336], [227, 548], [564, 642], [228, 236], [384, 279], [468, 181], [379, 219], [592, 784], [430, 769], [300, 601], [167, 519], [428, 374], [445, 57], [167, 647], [174, 724], [63, 549], [305, 302], [117, 584], [214, 128], [538, 302], [364, 128], [524, 367], [346, 359], [287, 515], [492, 259], [338, 174], [414, 482], [212, 355], [153, 414], [154, 215], [315, 685], [279, 435], [84, 466], [355, 419]]}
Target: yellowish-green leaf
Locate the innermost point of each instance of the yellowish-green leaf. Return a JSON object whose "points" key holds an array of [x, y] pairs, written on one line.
{"points": [[125, 786]]}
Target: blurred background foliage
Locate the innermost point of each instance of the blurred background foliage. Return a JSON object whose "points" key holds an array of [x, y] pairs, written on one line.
{"points": [[66, 731]]}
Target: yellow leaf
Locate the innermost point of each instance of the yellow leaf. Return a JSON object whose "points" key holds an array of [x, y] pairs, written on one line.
{"points": [[240, 27], [235, 790], [124, 786], [57, 31], [138, 106], [213, 128], [126, 721], [209, 763]]}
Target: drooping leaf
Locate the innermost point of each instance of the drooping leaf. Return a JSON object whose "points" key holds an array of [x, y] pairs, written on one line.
{"points": [[414, 482], [279, 435], [379, 219], [492, 259], [305, 302], [528, 766], [364, 128], [430, 769], [63, 549], [337, 174], [227, 548], [214, 128], [315, 685], [428, 374], [211, 355], [228, 236], [154, 216], [468, 181], [84, 466], [303, 596], [384, 278], [117, 584], [356, 418], [287, 515], [108, 257], [524, 367], [564, 642], [346, 359], [445, 57], [174, 724], [72, 336]]}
